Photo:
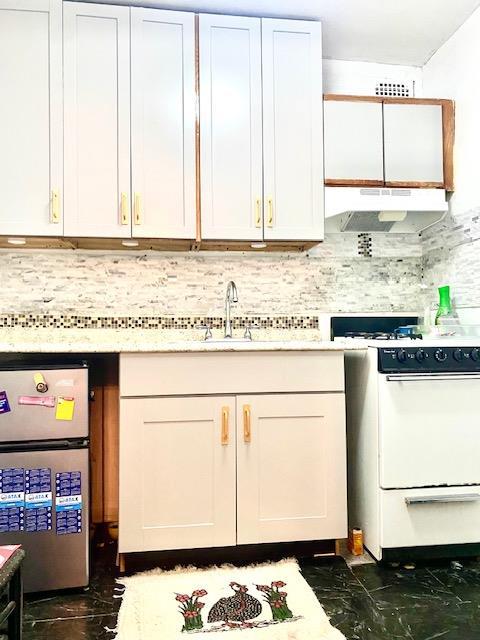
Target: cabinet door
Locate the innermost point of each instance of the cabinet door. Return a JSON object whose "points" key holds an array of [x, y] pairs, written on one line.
{"points": [[163, 123], [353, 133], [291, 467], [177, 473], [292, 129], [31, 117], [97, 120], [413, 144], [231, 127]]}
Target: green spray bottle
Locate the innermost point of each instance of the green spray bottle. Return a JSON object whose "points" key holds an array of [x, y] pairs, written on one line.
{"points": [[445, 313]]}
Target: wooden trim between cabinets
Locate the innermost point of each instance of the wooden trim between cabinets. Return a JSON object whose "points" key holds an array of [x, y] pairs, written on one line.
{"points": [[428, 101], [334, 182], [337, 97], [448, 121], [415, 185], [111, 404], [198, 217]]}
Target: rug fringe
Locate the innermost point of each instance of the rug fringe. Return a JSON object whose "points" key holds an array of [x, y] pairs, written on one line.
{"points": [[193, 569]]}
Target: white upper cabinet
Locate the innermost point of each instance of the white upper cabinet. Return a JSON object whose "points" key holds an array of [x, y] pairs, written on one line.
{"points": [[231, 127], [31, 117], [413, 143], [292, 129], [353, 138], [97, 120], [163, 123], [236, 155]]}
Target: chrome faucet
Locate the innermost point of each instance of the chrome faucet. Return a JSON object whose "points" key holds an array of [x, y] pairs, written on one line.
{"points": [[231, 296]]}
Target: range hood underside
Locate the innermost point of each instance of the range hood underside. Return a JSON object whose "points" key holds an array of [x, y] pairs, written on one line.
{"points": [[366, 210]]}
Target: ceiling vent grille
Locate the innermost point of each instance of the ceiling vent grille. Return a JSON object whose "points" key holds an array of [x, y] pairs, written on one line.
{"points": [[393, 90]]}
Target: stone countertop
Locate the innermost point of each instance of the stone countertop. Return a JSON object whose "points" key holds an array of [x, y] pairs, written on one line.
{"points": [[23, 340]]}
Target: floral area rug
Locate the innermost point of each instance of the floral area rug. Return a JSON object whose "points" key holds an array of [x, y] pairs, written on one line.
{"points": [[266, 601]]}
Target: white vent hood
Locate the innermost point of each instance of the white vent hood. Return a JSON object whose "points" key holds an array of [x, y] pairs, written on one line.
{"points": [[384, 210]]}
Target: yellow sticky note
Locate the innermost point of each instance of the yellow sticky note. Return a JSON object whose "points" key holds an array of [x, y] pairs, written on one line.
{"points": [[65, 407]]}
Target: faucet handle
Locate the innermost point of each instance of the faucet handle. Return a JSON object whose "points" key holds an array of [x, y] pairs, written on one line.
{"points": [[207, 329], [248, 330]]}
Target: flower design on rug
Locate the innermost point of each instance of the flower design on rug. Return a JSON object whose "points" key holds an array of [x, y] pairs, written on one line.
{"points": [[276, 599], [191, 609], [236, 610]]}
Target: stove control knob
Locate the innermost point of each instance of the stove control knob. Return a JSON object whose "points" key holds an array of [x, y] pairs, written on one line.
{"points": [[475, 354], [440, 355], [458, 355], [401, 355], [420, 355]]}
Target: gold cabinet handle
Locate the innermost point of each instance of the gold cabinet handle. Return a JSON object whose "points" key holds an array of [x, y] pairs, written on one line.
{"points": [[137, 209], [247, 428], [270, 211], [258, 212], [124, 208], [55, 207], [225, 416]]}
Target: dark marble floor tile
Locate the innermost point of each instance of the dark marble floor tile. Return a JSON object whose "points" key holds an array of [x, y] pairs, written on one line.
{"points": [[88, 628], [98, 599], [461, 578], [437, 600], [347, 603], [95, 601], [330, 577], [448, 621], [402, 589], [342, 596]]}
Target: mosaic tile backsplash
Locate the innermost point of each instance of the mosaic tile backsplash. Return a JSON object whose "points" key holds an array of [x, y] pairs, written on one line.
{"points": [[45, 321], [451, 255], [338, 275]]}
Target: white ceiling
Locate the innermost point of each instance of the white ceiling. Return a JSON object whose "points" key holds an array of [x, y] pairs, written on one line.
{"points": [[390, 31]]}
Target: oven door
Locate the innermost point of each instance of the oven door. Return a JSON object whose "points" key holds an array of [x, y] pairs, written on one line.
{"points": [[429, 430]]}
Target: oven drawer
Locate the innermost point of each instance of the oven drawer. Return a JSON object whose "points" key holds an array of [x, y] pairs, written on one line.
{"points": [[420, 517]]}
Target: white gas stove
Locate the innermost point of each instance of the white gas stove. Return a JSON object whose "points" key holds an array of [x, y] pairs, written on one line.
{"points": [[413, 431], [414, 447]]}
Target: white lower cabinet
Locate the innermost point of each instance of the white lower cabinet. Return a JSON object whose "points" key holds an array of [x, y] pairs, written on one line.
{"points": [[177, 478], [291, 467], [220, 470]]}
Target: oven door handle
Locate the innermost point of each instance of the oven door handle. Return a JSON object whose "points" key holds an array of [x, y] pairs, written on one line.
{"points": [[417, 377], [459, 497]]}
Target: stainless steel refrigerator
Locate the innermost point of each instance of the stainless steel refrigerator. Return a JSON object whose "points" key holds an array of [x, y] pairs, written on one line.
{"points": [[44, 473]]}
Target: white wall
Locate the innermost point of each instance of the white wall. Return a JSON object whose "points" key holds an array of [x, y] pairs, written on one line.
{"points": [[360, 78], [453, 72], [451, 250]]}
